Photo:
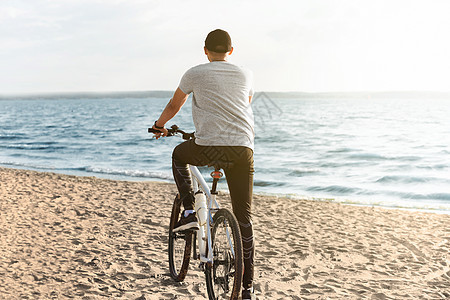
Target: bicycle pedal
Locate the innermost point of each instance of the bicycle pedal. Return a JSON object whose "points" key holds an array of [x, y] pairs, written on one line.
{"points": [[201, 266]]}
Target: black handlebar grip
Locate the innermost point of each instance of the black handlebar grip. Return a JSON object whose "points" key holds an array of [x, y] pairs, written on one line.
{"points": [[151, 130]]}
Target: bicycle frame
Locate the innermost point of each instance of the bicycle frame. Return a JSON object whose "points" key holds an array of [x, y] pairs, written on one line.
{"points": [[198, 180]]}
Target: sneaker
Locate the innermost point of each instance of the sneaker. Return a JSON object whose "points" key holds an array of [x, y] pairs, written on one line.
{"points": [[186, 223], [248, 294]]}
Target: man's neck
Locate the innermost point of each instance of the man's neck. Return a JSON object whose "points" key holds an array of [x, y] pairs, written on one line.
{"points": [[212, 58]]}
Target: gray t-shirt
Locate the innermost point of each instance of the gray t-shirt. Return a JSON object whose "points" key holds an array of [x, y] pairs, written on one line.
{"points": [[221, 110]]}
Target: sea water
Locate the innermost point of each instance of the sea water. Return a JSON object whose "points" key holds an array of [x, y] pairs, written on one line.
{"points": [[384, 151]]}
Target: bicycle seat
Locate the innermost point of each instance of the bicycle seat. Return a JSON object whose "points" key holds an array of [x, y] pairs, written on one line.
{"points": [[221, 164]]}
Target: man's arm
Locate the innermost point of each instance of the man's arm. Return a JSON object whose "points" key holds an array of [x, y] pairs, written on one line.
{"points": [[250, 99], [172, 108]]}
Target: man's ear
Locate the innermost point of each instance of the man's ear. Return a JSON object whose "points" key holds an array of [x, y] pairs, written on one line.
{"points": [[231, 51], [206, 50]]}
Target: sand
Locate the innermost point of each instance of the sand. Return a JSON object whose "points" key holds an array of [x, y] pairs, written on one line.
{"points": [[69, 237]]}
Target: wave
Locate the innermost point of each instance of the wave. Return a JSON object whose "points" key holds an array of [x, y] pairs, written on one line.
{"points": [[47, 146], [412, 180], [127, 172], [341, 150], [90, 169], [128, 143], [367, 156], [343, 190], [339, 164], [375, 157], [402, 179], [11, 137], [406, 158], [300, 172], [25, 165], [263, 183], [431, 196], [439, 196], [434, 167]]}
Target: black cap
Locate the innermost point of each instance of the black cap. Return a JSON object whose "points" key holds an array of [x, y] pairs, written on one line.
{"points": [[218, 41]]}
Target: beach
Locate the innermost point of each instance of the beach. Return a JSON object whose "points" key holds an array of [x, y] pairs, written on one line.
{"points": [[71, 237]]}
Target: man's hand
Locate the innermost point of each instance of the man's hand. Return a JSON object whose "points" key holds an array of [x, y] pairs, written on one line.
{"points": [[162, 132]]}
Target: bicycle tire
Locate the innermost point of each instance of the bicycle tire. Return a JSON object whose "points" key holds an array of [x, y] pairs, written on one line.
{"points": [[180, 244], [225, 266]]}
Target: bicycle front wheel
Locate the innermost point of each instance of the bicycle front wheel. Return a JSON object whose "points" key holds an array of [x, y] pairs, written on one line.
{"points": [[224, 276], [180, 244]]}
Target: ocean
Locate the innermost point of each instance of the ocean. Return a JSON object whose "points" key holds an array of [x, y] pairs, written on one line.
{"points": [[380, 149]]}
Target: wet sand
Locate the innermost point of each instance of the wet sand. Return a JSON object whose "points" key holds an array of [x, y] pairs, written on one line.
{"points": [[69, 237]]}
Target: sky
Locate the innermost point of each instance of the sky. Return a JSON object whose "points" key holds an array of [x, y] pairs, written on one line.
{"points": [[308, 45]]}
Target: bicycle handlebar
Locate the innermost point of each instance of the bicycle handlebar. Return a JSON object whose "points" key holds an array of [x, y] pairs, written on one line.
{"points": [[173, 130]]}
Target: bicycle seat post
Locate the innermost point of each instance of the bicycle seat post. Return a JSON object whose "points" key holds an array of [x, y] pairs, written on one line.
{"points": [[216, 175]]}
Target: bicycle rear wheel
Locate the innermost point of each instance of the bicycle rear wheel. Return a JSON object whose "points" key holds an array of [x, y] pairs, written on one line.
{"points": [[224, 276], [180, 244]]}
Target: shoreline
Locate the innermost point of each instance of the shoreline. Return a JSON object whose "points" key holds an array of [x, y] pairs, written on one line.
{"points": [[126, 178], [66, 236]]}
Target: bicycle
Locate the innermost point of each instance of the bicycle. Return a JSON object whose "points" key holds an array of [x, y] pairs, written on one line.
{"points": [[218, 237]]}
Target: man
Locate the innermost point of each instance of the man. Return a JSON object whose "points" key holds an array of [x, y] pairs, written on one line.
{"points": [[223, 119]]}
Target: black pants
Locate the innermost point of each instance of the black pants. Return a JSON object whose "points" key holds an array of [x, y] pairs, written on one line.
{"points": [[240, 183]]}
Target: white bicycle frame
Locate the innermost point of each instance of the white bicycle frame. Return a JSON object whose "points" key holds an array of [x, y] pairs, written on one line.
{"points": [[204, 234]]}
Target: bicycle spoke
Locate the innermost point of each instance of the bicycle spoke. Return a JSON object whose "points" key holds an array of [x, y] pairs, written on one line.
{"points": [[230, 243]]}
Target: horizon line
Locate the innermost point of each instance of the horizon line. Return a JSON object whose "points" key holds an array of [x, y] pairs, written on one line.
{"points": [[55, 93]]}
